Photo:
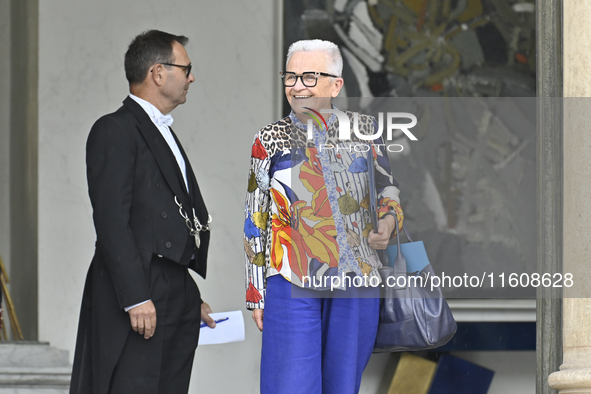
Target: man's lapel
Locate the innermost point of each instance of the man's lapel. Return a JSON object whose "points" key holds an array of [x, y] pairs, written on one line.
{"points": [[195, 193], [160, 149]]}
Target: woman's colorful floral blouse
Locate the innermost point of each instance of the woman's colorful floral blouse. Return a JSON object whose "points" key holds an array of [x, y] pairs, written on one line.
{"points": [[307, 206]]}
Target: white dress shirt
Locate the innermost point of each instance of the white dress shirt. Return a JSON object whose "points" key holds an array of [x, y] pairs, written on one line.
{"points": [[163, 122]]}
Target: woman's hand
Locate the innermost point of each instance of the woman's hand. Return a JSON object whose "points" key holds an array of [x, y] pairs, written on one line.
{"points": [[257, 316], [381, 239]]}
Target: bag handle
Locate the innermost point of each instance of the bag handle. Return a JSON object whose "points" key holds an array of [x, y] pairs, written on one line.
{"points": [[405, 230]]}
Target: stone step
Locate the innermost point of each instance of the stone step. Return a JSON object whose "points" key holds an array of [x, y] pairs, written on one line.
{"points": [[33, 367], [32, 391]]}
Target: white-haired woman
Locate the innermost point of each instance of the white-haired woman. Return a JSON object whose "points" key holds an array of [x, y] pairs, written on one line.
{"points": [[310, 248]]}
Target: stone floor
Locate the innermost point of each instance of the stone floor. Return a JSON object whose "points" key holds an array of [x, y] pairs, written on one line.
{"points": [[33, 368]]}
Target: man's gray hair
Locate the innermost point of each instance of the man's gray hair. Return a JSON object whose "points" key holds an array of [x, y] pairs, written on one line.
{"points": [[335, 63]]}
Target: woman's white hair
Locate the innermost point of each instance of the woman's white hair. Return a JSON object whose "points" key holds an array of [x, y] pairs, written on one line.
{"points": [[335, 63]]}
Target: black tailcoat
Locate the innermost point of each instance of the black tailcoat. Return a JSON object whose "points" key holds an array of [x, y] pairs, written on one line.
{"points": [[133, 178]]}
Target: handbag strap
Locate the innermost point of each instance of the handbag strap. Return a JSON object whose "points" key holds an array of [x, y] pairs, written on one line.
{"points": [[405, 230], [400, 262]]}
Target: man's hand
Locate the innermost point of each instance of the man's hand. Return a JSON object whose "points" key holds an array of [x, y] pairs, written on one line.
{"points": [[205, 311], [143, 319], [257, 316], [381, 239]]}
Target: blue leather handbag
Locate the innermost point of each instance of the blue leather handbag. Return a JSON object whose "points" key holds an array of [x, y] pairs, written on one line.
{"points": [[413, 314]]}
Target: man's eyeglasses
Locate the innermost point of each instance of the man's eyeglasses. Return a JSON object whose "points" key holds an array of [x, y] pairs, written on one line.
{"points": [[187, 68], [309, 78]]}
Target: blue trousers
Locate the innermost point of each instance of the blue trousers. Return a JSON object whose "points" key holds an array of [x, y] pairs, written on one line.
{"points": [[316, 345]]}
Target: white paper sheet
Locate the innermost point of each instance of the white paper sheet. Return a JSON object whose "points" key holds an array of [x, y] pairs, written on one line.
{"points": [[231, 330]]}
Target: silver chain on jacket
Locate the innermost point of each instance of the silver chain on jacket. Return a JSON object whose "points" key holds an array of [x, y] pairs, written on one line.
{"points": [[198, 227]]}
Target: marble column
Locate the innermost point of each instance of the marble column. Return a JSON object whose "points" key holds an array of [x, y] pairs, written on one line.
{"points": [[575, 372], [24, 164]]}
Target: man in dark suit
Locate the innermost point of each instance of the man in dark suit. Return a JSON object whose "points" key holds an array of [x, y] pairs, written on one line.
{"points": [[141, 309]]}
